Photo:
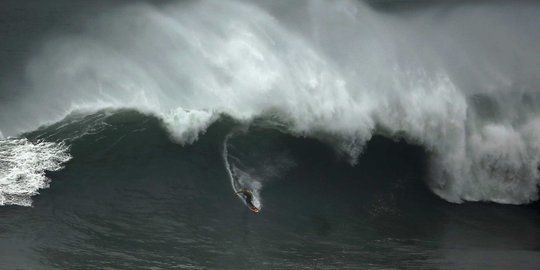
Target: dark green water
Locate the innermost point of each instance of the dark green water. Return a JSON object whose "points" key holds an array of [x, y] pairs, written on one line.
{"points": [[132, 199]]}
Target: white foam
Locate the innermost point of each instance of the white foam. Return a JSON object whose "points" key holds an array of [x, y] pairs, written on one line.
{"points": [[22, 168], [345, 73], [187, 125]]}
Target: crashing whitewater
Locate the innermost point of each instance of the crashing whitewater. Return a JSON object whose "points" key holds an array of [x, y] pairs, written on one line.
{"points": [[338, 71]]}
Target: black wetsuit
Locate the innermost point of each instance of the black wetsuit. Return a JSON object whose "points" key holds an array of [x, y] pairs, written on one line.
{"points": [[248, 197]]}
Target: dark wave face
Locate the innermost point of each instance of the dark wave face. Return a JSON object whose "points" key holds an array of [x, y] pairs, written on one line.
{"points": [[130, 198], [269, 134]]}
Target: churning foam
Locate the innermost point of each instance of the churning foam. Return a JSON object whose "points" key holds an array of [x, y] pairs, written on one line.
{"points": [[22, 168], [342, 74]]}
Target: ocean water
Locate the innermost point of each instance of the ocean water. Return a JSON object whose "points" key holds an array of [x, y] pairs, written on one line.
{"points": [[373, 135]]}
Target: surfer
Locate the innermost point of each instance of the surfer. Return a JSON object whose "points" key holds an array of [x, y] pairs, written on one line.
{"points": [[248, 199]]}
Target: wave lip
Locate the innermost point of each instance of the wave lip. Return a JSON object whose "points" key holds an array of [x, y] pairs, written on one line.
{"points": [[23, 165]]}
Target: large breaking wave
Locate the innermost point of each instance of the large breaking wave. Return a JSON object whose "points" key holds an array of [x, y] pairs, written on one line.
{"points": [[460, 82]]}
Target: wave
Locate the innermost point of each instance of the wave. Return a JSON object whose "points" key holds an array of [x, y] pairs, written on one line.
{"points": [[190, 63], [130, 178]]}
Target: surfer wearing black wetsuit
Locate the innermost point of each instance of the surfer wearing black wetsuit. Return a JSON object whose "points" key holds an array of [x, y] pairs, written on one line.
{"points": [[248, 198]]}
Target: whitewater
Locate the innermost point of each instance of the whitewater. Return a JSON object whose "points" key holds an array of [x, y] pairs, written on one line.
{"points": [[460, 82]]}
